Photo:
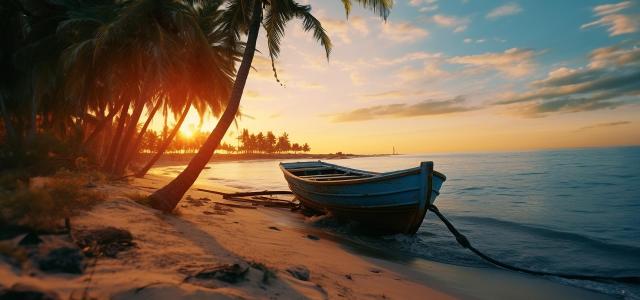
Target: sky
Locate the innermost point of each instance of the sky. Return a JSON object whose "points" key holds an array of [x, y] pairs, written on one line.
{"points": [[453, 75]]}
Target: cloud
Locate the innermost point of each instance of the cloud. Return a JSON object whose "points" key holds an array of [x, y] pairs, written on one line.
{"points": [[603, 125], [356, 78], [262, 69], [611, 79], [478, 41], [345, 29], [402, 32], [404, 110], [504, 10], [458, 24], [421, 2], [302, 84], [617, 24], [408, 57], [512, 62], [428, 8], [607, 9], [430, 70], [399, 94]]}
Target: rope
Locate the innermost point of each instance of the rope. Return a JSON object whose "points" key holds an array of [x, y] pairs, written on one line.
{"points": [[464, 242]]}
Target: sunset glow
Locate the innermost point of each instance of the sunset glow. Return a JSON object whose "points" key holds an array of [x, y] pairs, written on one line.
{"points": [[450, 76]]}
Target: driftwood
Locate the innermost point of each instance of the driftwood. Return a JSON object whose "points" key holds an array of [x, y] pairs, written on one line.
{"points": [[257, 198], [235, 205], [246, 194]]}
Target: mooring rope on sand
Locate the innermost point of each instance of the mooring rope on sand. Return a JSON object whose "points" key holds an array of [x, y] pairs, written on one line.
{"points": [[464, 242]]}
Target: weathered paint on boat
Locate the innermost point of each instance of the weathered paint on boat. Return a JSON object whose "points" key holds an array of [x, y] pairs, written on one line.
{"points": [[389, 202]]}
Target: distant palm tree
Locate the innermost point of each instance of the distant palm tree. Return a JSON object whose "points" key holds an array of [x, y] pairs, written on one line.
{"points": [[165, 143], [270, 141], [246, 16]]}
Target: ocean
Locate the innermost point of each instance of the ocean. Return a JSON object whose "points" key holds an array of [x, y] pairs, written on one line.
{"points": [[565, 211]]}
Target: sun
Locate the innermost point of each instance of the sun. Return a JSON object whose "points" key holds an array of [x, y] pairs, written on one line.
{"points": [[187, 131]]}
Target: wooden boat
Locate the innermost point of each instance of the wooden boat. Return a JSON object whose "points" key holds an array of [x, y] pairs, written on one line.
{"points": [[391, 202]]}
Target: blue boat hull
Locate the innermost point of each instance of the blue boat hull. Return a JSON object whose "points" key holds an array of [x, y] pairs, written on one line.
{"points": [[387, 202]]}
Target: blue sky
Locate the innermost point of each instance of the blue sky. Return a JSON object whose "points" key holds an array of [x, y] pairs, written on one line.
{"points": [[456, 75]]}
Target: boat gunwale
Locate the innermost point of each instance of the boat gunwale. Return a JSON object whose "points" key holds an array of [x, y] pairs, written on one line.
{"points": [[375, 178], [329, 207]]}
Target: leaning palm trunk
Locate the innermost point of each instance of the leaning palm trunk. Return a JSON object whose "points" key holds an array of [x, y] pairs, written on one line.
{"points": [[134, 147], [165, 143], [167, 198], [102, 124], [115, 141], [118, 164]]}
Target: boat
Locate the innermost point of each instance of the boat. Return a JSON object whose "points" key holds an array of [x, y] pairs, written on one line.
{"points": [[389, 202]]}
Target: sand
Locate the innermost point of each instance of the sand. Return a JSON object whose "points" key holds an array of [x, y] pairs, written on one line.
{"points": [[170, 248]]}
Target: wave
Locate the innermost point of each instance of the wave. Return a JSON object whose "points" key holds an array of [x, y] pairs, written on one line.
{"points": [[553, 234], [531, 173], [472, 188]]}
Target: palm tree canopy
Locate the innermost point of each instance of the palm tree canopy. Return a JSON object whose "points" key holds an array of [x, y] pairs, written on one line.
{"points": [[277, 13]]}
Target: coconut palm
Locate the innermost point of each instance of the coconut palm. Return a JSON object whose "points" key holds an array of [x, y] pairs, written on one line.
{"points": [[160, 53], [245, 16]]}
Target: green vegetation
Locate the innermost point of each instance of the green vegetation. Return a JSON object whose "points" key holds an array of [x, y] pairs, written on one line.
{"points": [[43, 203]]}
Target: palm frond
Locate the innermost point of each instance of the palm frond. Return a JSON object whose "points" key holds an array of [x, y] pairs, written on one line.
{"points": [[381, 7], [347, 7], [310, 23]]}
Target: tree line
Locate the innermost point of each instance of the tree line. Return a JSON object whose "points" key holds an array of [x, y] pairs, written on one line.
{"points": [[248, 143]]}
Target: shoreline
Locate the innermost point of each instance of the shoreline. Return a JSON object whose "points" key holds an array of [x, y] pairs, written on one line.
{"points": [[176, 159], [171, 248]]}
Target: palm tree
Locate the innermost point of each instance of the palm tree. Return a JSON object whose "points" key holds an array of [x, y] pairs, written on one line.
{"points": [[148, 53], [270, 141], [165, 143], [246, 16], [283, 144]]}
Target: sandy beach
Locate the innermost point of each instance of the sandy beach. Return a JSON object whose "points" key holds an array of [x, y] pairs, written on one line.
{"points": [[280, 253]]}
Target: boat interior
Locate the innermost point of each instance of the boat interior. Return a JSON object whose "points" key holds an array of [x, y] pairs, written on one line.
{"points": [[327, 173]]}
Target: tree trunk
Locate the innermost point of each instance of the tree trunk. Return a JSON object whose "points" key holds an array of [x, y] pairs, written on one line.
{"points": [[101, 125], [165, 142], [134, 147], [167, 198], [34, 109], [115, 141], [118, 165], [7, 123]]}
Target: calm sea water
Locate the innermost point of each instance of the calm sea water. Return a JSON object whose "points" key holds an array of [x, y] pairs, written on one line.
{"points": [[569, 211]]}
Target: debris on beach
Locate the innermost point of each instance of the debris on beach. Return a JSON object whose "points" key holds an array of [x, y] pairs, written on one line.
{"points": [[299, 272], [106, 241], [63, 260], [30, 239], [267, 273], [229, 273], [313, 237], [197, 202], [23, 291], [234, 205], [274, 228], [217, 212], [223, 209]]}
